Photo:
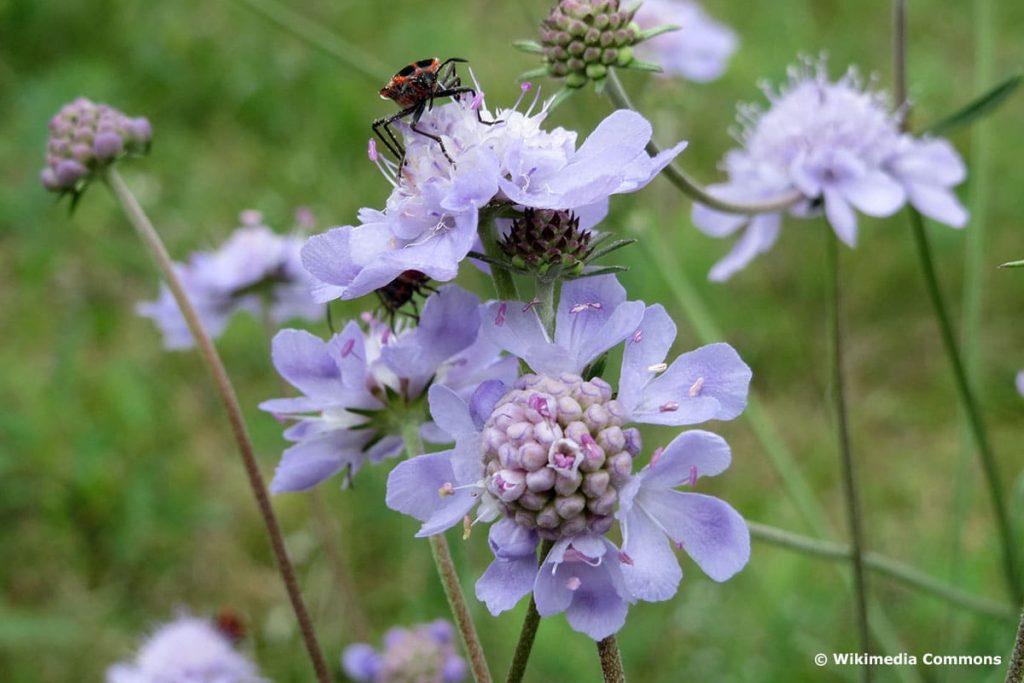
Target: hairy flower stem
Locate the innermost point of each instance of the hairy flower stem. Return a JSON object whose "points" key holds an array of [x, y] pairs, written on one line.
{"points": [[504, 284], [450, 579], [528, 633], [1015, 674], [611, 660], [970, 406], [848, 473], [152, 241], [686, 184], [883, 566], [545, 295]]}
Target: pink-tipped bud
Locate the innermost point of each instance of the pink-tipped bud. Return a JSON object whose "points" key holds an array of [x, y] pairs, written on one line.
{"points": [[107, 145]]}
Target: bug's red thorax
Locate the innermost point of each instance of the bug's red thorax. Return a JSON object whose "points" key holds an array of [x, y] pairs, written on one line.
{"points": [[413, 84]]}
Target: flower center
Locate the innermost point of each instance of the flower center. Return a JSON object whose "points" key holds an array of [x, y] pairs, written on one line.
{"points": [[555, 454]]}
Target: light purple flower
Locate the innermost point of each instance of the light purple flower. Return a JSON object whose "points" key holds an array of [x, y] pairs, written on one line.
{"points": [[653, 514], [698, 51], [423, 653], [255, 267], [431, 218], [838, 144], [347, 414], [1020, 382], [551, 455], [186, 650]]}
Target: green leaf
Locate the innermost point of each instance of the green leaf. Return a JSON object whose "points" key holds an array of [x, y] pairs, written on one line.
{"points": [[978, 108], [1013, 264]]}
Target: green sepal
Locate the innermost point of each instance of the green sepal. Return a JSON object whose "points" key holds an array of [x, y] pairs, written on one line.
{"points": [[656, 31], [530, 46], [641, 65], [1013, 264]]}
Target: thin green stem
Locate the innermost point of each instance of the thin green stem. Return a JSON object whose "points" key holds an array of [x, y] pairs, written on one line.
{"points": [[545, 295], [847, 469], [348, 54], [611, 660], [974, 278], [883, 566], [1015, 672], [504, 283], [528, 633], [969, 404], [137, 217], [687, 185], [450, 579]]}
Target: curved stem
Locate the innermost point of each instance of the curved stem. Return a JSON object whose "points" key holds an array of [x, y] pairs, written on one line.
{"points": [[450, 580], [848, 473], [687, 185], [970, 406], [528, 633], [885, 566], [152, 240], [611, 660]]}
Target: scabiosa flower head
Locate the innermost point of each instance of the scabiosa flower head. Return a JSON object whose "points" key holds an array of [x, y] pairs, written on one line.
{"points": [[838, 144], [699, 51], [548, 243], [187, 650], [361, 387], [430, 220], [421, 654], [552, 455], [254, 268], [85, 138], [580, 40]]}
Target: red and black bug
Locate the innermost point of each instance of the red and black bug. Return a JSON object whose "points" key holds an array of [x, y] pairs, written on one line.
{"points": [[231, 624], [401, 291], [414, 89]]}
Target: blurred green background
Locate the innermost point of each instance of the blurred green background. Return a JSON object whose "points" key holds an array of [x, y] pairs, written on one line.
{"points": [[122, 497]]}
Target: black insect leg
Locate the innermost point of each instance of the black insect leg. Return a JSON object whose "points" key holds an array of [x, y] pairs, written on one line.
{"points": [[391, 142], [453, 92]]}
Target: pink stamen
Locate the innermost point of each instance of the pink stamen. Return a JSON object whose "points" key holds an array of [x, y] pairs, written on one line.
{"points": [[386, 337], [347, 348], [280, 418], [589, 445], [657, 455], [624, 558], [668, 407], [371, 150], [693, 475], [679, 545], [579, 308], [573, 583], [526, 86], [638, 336], [499, 319], [540, 404], [535, 302], [697, 386], [478, 101], [658, 367]]}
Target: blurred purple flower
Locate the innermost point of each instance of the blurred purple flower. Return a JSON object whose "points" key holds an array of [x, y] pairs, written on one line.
{"points": [[839, 145], [255, 267], [551, 454], [698, 51], [356, 385], [1020, 382], [430, 220], [423, 653], [186, 650]]}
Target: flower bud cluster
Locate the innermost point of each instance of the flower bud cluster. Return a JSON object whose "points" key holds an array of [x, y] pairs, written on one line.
{"points": [[582, 39], [548, 243], [85, 137], [556, 455]]}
